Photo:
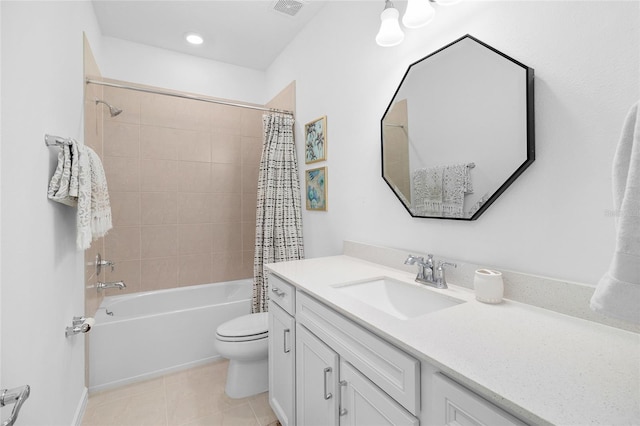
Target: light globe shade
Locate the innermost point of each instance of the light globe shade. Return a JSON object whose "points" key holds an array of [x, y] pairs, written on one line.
{"points": [[390, 33], [418, 14]]}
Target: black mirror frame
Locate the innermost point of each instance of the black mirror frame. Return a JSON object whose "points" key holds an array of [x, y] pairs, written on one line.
{"points": [[530, 131]]}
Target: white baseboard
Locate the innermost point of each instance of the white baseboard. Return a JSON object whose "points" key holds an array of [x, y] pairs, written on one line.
{"points": [[82, 406]]}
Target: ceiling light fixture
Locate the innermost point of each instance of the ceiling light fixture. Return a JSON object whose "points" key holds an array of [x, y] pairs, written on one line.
{"points": [[418, 14], [194, 38], [390, 33]]}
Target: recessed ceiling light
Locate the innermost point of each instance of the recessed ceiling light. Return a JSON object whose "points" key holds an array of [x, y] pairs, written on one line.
{"points": [[194, 38]]}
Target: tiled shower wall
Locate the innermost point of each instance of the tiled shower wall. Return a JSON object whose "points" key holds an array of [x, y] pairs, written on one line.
{"points": [[182, 178]]}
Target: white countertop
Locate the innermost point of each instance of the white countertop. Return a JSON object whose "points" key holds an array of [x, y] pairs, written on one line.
{"points": [[542, 366]]}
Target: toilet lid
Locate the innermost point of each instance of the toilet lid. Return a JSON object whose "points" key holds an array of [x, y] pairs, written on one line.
{"points": [[252, 326]]}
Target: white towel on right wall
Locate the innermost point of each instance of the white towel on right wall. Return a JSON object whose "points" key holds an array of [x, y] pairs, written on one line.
{"points": [[618, 292]]}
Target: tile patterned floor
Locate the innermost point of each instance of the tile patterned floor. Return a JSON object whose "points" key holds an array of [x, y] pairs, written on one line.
{"points": [[192, 397]]}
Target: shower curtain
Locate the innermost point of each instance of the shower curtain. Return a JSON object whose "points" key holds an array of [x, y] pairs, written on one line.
{"points": [[278, 213]]}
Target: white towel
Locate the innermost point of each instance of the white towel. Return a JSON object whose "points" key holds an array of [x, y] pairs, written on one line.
{"points": [[79, 180], [63, 187], [94, 210], [618, 292]]}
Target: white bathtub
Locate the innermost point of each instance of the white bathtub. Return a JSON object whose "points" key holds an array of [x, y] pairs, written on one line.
{"points": [[153, 333]]}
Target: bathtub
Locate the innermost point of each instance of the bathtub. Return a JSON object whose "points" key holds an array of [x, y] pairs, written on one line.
{"points": [[144, 335]]}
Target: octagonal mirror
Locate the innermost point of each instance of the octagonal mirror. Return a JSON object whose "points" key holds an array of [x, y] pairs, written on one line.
{"points": [[458, 131]]}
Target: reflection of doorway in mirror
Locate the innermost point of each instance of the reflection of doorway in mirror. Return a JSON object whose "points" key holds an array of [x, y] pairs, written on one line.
{"points": [[396, 149]]}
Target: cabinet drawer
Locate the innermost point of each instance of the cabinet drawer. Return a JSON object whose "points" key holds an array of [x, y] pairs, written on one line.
{"points": [[454, 404], [282, 293], [394, 371]]}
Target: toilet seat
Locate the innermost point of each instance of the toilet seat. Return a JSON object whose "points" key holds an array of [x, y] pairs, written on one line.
{"points": [[245, 328]]}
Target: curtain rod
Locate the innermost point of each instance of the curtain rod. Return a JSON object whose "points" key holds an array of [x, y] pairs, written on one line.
{"points": [[193, 98]]}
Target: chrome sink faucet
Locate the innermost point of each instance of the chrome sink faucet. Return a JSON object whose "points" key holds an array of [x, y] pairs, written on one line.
{"points": [[427, 274]]}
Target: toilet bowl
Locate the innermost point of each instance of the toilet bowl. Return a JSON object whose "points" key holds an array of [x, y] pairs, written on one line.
{"points": [[244, 341]]}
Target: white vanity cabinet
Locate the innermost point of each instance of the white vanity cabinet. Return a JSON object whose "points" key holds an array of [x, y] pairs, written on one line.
{"points": [[326, 370], [330, 391], [282, 350], [316, 382], [453, 405]]}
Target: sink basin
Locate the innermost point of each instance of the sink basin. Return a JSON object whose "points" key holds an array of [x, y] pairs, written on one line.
{"points": [[399, 299]]}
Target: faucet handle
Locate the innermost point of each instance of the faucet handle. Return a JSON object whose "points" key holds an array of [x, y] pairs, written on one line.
{"points": [[440, 278], [442, 264]]}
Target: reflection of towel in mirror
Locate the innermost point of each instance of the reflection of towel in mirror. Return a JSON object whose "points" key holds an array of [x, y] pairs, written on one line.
{"points": [[440, 190], [618, 292], [427, 191]]}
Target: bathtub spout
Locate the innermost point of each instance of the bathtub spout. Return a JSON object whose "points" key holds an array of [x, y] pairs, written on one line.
{"points": [[115, 284]]}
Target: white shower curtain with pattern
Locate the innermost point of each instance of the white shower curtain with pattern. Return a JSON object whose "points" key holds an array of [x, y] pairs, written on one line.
{"points": [[278, 212]]}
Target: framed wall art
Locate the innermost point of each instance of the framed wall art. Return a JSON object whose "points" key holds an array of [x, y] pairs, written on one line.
{"points": [[315, 139], [316, 188]]}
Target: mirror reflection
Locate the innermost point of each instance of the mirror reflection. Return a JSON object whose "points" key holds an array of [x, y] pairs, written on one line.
{"points": [[458, 131]]}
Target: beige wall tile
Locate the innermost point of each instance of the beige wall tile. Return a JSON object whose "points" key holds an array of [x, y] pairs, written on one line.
{"points": [[226, 147], [226, 178], [227, 267], [194, 269], [195, 239], [194, 177], [226, 117], [158, 274], [157, 110], [247, 264], [252, 122], [250, 179], [158, 175], [121, 139], [122, 243], [249, 203], [248, 236], [158, 241], [125, 208], [158, 208], [286, 99], [159, 143], [125, 270], [227, 237], [194, 146], [123, 173], [194, 207], [226, 208], [251, 151], [176, 113]]}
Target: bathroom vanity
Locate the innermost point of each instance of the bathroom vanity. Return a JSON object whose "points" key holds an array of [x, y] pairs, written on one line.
{"points": [[356, 343]]}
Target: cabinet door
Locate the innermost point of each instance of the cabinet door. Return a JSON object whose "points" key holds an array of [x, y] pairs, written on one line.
{"points": [[364, 404], [316, 381], [454, 405], [282, 366]]}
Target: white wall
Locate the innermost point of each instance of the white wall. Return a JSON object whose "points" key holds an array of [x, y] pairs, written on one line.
{"points": [[138, 63], [552, 220], [42, 92]]}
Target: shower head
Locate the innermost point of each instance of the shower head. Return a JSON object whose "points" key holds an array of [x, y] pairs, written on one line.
{"points": [[112, 110]]}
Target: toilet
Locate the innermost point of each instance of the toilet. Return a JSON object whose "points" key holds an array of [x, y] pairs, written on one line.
{"points": [[243, 341]]}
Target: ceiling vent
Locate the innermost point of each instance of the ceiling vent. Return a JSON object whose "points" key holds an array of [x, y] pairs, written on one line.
{"points": [[287, 7]]}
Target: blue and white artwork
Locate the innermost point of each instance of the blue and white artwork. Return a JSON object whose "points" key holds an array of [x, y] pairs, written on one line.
{"points": [[316, 189], [315, 136]]}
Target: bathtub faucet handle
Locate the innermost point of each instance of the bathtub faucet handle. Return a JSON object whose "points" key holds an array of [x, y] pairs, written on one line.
{"points": [[100, 263]]}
